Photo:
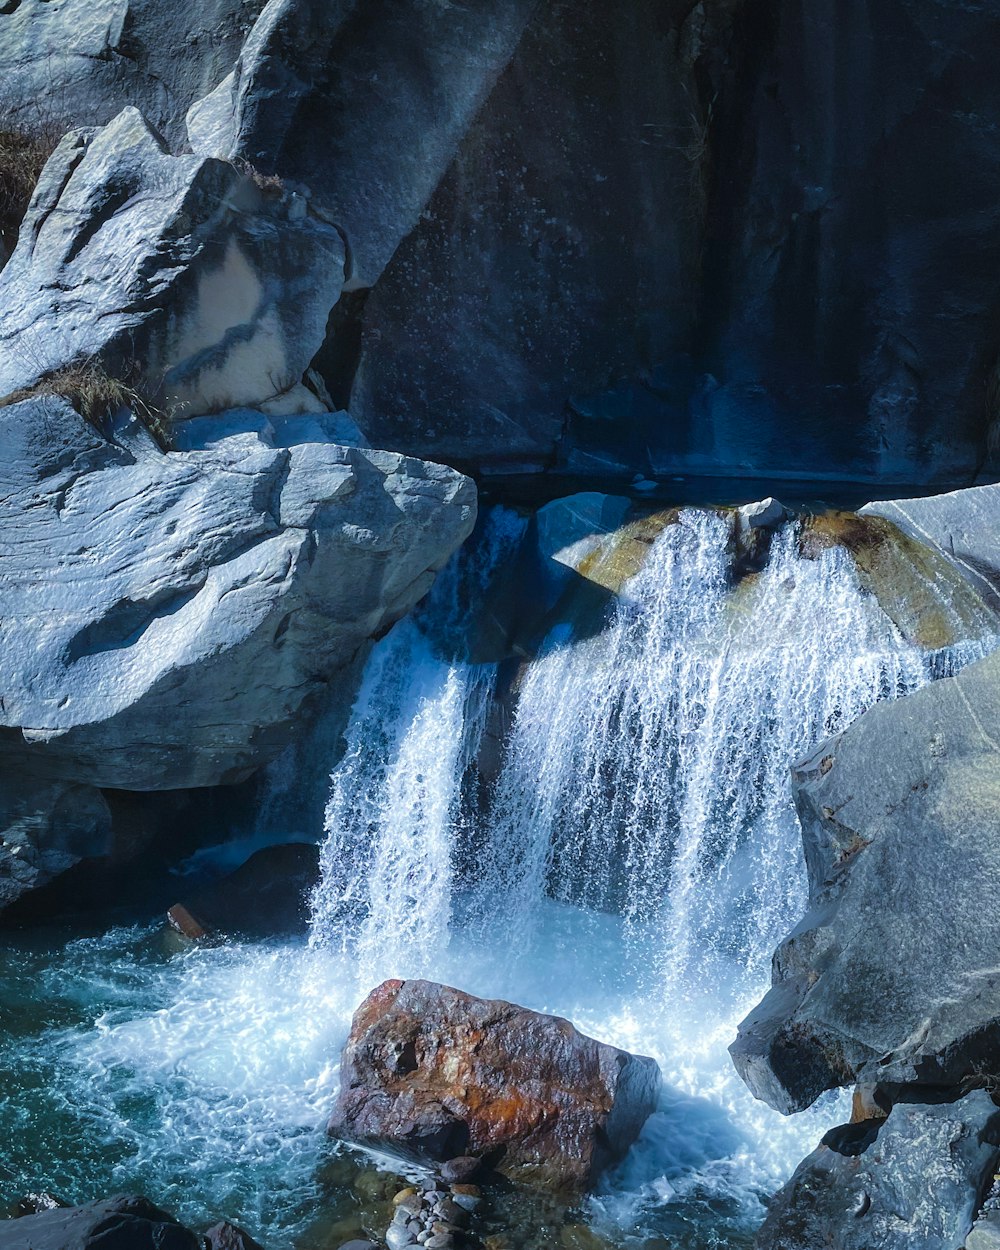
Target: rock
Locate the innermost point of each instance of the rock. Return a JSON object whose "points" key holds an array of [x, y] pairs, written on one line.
{"points": [[564, 260], [430, 1070], [403, 1194], [168, 618], [268, 896], [925, 594], [891, 977], [458, 1171], [76, 63], [916, 1183], [46, 827], [130, 1222], [398, 1237], [410, 78], [176, 272], [225, 1236], [866, 1105], [765, 514], [985, 1233], [181, 921], [962, 524]]}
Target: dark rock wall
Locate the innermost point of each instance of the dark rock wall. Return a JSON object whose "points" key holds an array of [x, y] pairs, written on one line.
{"points": [[558, 256], [851, 303], [760, 241], [719, 238]]}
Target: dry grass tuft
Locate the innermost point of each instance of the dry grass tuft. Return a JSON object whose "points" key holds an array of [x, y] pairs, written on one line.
{"points": [[269, 184], [22, 157], [97, 397]]}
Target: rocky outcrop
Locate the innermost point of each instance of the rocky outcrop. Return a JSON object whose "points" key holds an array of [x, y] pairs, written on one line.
{"points": [[961, 524], [364, 104], [178, 273], [167, 617], [79, 62], [917, 1179], [130, 1222], [721, 253], [434, 1072], [891, 977]]}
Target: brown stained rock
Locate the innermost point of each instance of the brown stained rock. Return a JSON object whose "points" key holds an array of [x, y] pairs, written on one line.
{"points": [[182, 921], [433, 1072]]}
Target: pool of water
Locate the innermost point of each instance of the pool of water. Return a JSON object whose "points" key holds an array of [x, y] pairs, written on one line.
{"points": [[203, 1076]]}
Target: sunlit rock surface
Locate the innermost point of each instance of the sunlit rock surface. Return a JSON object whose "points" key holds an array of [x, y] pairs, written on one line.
{"points": [[892, 975], [918, 1182], [434, 1072], [178, 273]]}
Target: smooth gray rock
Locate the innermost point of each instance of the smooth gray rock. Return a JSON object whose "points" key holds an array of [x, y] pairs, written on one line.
{"points": [[964, 524], [917, 1184], [372, 137], [177, 272], [985, 1233], [764, 514], [124, 1223], [892, 976], [165, 619]]}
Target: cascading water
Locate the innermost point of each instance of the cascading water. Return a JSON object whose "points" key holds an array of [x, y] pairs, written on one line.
{"points": [[639, 857], [631, 867]]}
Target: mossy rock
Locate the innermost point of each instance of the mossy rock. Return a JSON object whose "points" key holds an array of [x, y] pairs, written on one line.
{"points": [[922, 592]]}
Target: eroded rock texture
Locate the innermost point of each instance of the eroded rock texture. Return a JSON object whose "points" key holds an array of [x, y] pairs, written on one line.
{"points": [[434, 1072], [178, 273], [915, 1180], [168, 617], [892, 976]]}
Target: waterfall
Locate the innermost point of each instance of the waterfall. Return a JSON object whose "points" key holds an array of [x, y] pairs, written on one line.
{"points": [[397, 805], [647, 770], [638, 856]]}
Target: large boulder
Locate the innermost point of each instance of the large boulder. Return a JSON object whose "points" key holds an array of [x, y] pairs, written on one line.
{"points": [[916, 1180], [891, 978], [434, 1072], [122, 1223], [181, 274], [962, 524], [166, 616], [79, 62]]}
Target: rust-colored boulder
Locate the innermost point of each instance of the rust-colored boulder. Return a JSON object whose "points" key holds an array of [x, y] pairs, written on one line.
{"points": [[432, 1072]]}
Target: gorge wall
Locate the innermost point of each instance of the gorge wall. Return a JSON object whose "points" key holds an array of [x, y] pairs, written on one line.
{"points": [[678, 239]]}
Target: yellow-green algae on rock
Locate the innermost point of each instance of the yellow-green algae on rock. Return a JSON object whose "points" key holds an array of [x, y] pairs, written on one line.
{"points": [[919, 589]]}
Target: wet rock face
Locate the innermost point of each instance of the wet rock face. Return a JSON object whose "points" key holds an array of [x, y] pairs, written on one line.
{"points": [[126, 1221], [434, 1072], [916, 1181], [891, 978]]}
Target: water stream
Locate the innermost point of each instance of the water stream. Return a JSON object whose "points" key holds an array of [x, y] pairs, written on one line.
{"points": [[630, 862]]}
